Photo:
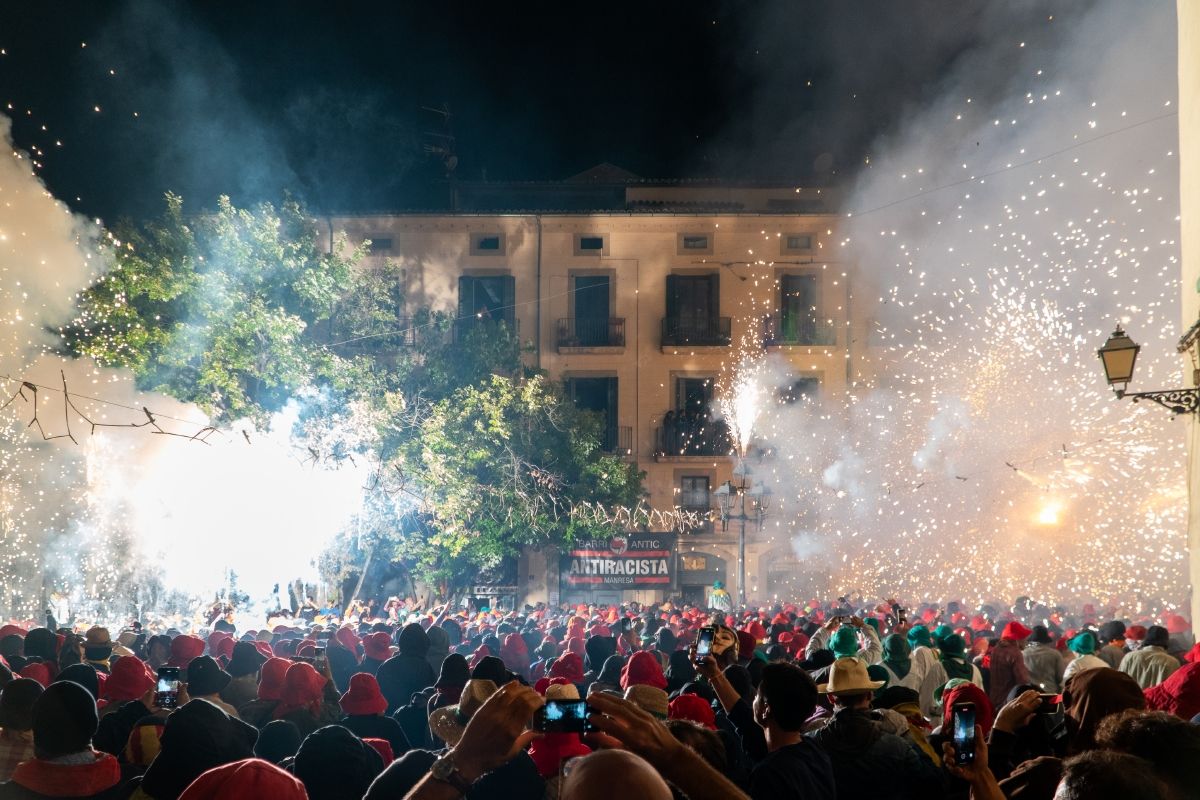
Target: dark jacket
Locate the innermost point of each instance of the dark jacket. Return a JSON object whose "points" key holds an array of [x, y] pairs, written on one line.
{"points": [[870, 762], [38, 779], [402, 676], [376, 727], [115, 727], [197, 737]]}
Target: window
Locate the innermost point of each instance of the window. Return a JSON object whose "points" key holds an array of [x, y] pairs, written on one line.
{"points": [[487, 298], [599, 396], [693, 493], [799, 389], [793, 243], [695, 244], [487, 244], [590, 244], [379, 244]]}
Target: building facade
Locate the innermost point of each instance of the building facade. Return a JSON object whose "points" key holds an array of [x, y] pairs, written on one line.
{"points": [[642, 312]]}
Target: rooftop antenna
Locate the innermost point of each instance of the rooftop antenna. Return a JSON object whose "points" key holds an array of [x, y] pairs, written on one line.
{"points": [[441, 144]]}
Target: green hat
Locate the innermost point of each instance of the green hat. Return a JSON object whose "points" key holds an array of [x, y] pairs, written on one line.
{"points": [[844, 642], [919, 636], [718, 585], [1084, 643], [953, 646], [941, 632]]}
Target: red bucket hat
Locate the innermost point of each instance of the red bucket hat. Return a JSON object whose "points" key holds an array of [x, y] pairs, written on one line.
{"points": [[130, 679], [242, 780], [643, 668], [1015, 631], [363, 698], [183, 649], [270, 678], [378, 646]]}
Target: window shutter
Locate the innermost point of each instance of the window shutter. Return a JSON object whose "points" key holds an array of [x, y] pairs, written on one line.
{"points": [[466, 296], [509, 312], [672, 296]]}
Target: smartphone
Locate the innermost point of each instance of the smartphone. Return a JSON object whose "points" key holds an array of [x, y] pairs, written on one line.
{"points": [[1050, 704], [563, 716], [319, 659], [963, 721], [704, 642], [901, 615], [166, 695]]}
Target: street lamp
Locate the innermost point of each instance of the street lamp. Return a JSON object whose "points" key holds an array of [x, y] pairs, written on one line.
{"points": [[729, 495], [1119, 354]]}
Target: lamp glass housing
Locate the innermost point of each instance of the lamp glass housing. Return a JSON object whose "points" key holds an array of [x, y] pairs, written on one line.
{"points": [[1118, 355]]}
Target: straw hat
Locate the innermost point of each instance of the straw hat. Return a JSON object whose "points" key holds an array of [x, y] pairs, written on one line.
{"points": [[449, 723], [562, 691], [849, 676], [648, 698]]}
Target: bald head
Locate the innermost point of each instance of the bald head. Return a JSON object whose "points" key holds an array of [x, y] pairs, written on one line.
{"points": [[606, 774]]}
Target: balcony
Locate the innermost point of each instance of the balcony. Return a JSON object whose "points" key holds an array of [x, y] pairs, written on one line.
{"points": [[590, 335], [687, 332], [617, 441], [685, 436], [798, 332]]}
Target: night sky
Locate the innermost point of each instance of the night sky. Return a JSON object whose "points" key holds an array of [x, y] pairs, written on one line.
{"points": [[324, 100]]}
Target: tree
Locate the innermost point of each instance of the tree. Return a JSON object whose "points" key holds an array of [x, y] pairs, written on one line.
{"points": [[241, 310]]}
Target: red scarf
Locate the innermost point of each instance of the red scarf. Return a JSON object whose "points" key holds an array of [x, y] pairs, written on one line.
{"points": [[68, 780]]}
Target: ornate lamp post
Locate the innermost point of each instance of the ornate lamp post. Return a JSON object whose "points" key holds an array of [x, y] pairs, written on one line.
{"points": [[731, 496], [1119, 354]]}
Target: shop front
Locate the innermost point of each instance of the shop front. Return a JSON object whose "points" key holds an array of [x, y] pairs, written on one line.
{"points": [[697, 573], [625, 568]]}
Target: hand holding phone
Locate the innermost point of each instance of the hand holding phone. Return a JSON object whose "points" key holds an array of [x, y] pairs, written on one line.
{"points": [[704, 643], [962, 720]]}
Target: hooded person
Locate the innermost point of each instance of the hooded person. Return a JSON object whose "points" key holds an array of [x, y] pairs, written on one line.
{"points": [[130, 694], [569, 666], [16, 724], [1006, 665], [597, 650], [854, 638], [553, 749], [1179, 694], [251, 777], [1083, 645], [205, 681], [1112, 643], [277, 741], [954, 660], [609, 677], [1151, 664], [439, 647], [334, 764], [451, 679], [243, 667], [515, 655], [407, 672], [364, 706], [197, 736], [681, 670], [258, 712], [41, 645], [12, 648], [83, 674], [142, 745], [308, 699], [64, 763], [1092, 695]]}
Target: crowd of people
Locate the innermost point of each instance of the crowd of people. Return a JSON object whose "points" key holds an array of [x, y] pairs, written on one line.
{"points": [[814, 700]]}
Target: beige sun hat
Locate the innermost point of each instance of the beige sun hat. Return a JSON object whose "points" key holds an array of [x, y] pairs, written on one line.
{"points": [[449, 723], [648, 698], [849, 676], [562, 691]]}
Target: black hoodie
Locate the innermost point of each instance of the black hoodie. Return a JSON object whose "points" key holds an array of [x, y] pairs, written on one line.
{"points": [[197, 737]]}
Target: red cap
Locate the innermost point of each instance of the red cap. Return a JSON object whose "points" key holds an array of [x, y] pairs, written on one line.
{"points": [[249, 778], [1135, 632], [694, 708], [363, 698], [1015, 631], [346, 638], [224, 648], [130, 679], [1177, 624], [11, 630], [378, 646]]}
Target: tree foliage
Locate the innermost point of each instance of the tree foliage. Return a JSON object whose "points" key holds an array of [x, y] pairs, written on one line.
{"points": [[241, 310]]}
